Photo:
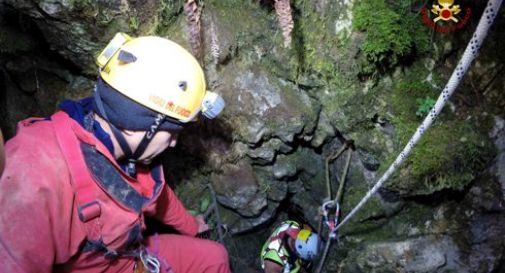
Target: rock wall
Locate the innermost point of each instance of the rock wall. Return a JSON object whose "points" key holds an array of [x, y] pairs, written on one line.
{"points": [[356, 70]]}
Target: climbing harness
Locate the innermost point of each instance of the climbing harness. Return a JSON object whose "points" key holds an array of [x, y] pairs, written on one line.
{"points": [[486, 20], [88, 207]]}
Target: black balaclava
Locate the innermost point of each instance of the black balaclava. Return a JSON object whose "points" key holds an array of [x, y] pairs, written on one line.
{"points": [[123, 113]]}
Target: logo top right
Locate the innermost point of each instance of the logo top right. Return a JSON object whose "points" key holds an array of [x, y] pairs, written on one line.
{"points": [[443, 16]]}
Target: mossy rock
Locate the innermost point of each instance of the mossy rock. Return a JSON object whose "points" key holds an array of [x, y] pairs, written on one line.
{"points": [[451, 153], [394, 33]]}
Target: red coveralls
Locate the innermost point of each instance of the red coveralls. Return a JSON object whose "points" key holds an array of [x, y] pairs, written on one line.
{"points": [[40, 229], [2, 154]]}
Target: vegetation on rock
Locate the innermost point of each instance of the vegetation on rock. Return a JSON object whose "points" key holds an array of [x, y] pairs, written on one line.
{"points": [[394, 33], [452, 152]]}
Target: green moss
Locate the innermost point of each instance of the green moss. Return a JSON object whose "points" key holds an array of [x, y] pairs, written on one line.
{"points": [[405, 94], [238, 23], [167, 14], [134, 23], [425, 105], [371, 216], [393, 33], [354, 194], [308, 55], [450, 154], [311, 29], [104, 17], [319, 53], [410, 220]]}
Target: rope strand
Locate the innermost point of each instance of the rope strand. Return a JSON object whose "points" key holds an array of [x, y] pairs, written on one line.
{"points": [[469, 55]]}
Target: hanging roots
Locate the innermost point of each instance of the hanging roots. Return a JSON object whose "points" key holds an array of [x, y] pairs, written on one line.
{"points": [[193, 13], [283, 10], [215, 51]]}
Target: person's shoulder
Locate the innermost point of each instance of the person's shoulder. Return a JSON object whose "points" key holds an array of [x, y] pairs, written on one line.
{"points": [[33, 153], [34, 127], [33, 135], [272, 255]]}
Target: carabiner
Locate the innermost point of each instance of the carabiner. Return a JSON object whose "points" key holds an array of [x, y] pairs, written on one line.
{"points": [[150, 262]]}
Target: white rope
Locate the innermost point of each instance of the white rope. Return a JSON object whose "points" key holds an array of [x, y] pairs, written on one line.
{"points": [[469, 55]]}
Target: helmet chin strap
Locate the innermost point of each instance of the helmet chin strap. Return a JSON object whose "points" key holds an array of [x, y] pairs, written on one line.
{"points": [[130, 156], [148, 136]]}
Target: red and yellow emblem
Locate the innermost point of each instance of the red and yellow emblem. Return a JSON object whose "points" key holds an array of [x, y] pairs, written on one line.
{"points": [[445, 10]]}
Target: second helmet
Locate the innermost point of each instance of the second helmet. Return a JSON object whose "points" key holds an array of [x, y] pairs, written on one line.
{"points": [[307, 245]]}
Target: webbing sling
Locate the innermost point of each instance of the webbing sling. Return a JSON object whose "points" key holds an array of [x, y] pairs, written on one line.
{"points": [[88, 207], [84, 187]]}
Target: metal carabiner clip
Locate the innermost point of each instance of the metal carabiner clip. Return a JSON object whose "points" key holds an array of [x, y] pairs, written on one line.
{"points": [[150, 262], [325, 208], [332, 224]]}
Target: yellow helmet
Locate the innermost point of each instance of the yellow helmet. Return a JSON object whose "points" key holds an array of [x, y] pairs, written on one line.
{"points": [[158, 74]]}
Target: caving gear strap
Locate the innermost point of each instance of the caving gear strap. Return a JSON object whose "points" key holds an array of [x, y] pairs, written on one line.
{"points": [[88, 207]]}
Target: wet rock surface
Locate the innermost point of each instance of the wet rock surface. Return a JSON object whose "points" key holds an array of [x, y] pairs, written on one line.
{"points": [[78, 30], [287, 111]]}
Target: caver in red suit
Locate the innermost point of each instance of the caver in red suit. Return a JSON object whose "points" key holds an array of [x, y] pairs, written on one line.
{"points": [[40, 229], [66, 203]]}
